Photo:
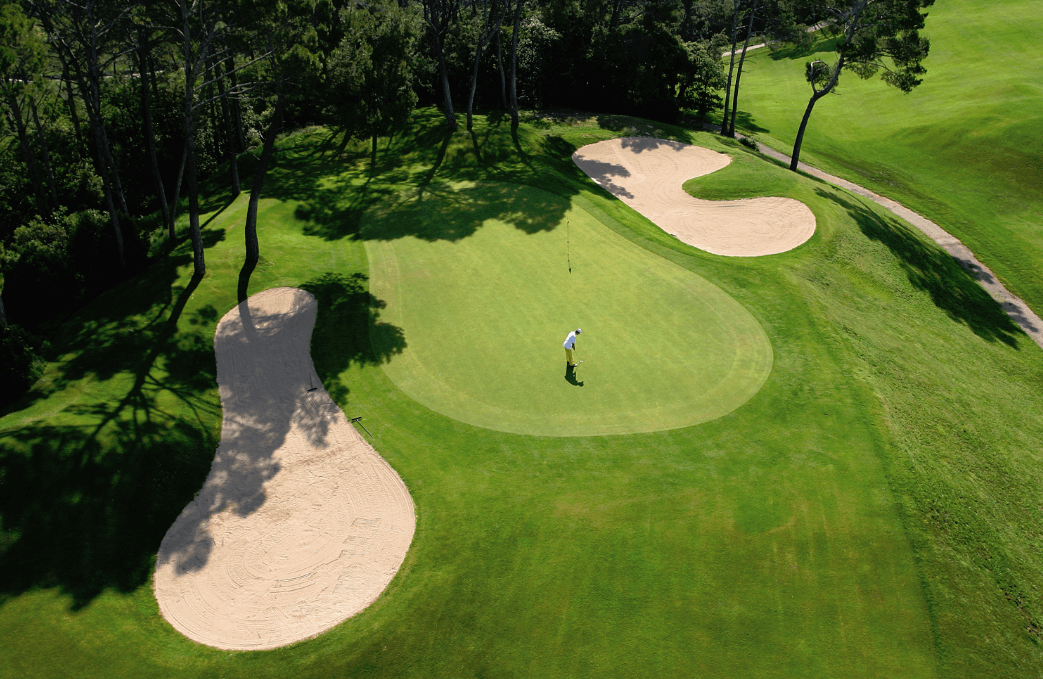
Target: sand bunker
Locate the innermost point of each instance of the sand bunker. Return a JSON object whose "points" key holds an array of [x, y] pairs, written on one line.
{"points": [[300, 524], [647, 174]]}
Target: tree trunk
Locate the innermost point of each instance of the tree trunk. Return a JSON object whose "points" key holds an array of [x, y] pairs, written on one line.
{"points": [[208, 114], [14, 117], [94, 112], [795, 157], [150, 137], [153, 81], [3, 314], [199, 258], [514, 64], [176, 202], [237, 112], [483, 40], [216, 148], [253, 249], [731, 67], [233, 164], [106, 149], [92, 104], [816, 95], [90, 101], [113, 215], [106, 163], [443, 74], [45, 152], [474, 81], [70, 101], [499, 64], [738, 74]]}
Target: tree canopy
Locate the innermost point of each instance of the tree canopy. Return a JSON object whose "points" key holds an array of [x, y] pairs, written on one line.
{"points": [[870, 37]]}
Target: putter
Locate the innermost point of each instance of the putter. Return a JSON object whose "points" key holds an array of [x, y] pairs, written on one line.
{"points": [[568, 254], [359, 420]]}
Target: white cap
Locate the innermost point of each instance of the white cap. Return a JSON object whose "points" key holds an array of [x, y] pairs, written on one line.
{"points": [[578, 331]]}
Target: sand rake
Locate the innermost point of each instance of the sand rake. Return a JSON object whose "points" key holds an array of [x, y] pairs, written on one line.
{"points": [[359, 421]]}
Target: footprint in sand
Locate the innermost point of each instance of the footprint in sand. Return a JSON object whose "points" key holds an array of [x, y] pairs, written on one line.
{"points": [[300, 524]]}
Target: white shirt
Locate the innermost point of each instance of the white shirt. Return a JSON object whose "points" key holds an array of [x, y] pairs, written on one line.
{"points": [[570, 341]]}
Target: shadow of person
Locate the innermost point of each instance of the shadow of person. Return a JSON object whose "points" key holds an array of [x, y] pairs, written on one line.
{"points": [[570, 376]]}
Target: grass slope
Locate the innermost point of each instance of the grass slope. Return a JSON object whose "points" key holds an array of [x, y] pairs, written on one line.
{"points": [[963, 148], [868, 513]]}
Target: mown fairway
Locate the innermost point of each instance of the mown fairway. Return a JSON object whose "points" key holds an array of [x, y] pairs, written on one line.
{"points": [[963, 148], [818, 529]]}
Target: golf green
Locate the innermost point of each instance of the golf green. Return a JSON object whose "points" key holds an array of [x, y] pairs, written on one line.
{"points": [[477, 279]]}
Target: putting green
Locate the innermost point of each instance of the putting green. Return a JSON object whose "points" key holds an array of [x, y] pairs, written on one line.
{"points": [[477, 279]]}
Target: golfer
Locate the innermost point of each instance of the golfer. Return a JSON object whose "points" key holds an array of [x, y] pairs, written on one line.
{"points": [[570, 344]]}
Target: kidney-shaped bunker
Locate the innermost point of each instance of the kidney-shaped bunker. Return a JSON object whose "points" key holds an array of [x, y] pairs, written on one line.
{"points": [[300, 524]]}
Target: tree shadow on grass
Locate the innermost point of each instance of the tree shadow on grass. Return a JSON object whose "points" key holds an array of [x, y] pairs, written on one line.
{"points": [[952, 288], [348, 330], [617, 123], [448, 213], [604, 173], [86, 500], [333, 192], [744, 121], [87, 496]]}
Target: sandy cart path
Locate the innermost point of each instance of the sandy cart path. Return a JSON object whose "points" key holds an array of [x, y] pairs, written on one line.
{"points": [[647, 174], [300, 524]]}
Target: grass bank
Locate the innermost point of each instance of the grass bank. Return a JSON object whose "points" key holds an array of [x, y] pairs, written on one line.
{"points": [[962, 149]]}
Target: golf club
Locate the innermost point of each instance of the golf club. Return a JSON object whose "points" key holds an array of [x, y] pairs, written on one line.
{"points": [[568, 254]]}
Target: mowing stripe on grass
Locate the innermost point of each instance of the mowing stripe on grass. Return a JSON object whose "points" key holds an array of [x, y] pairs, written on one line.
{"points": [[486, 307]]}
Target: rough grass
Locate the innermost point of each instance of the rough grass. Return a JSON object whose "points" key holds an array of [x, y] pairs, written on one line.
{"points": [[870, 512], [963, 148]]}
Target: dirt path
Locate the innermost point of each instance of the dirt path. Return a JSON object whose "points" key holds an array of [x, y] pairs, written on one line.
{"points": [[648, 173], [300, 524], [1015, 307]]}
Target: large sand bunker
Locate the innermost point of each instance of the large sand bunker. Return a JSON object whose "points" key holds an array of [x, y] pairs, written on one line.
{"points": [[300, 524], [647, 174]]}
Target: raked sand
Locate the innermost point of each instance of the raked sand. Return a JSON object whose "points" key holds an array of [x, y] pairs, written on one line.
{"points": [[300, 524], [647, 174]]}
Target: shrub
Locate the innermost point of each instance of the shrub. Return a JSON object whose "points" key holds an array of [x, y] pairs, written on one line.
{"points": [[39, 275], [749, 141], [20, 365]]}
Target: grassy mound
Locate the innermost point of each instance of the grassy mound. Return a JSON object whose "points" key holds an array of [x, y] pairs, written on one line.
{"points": [[871, 511]]}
